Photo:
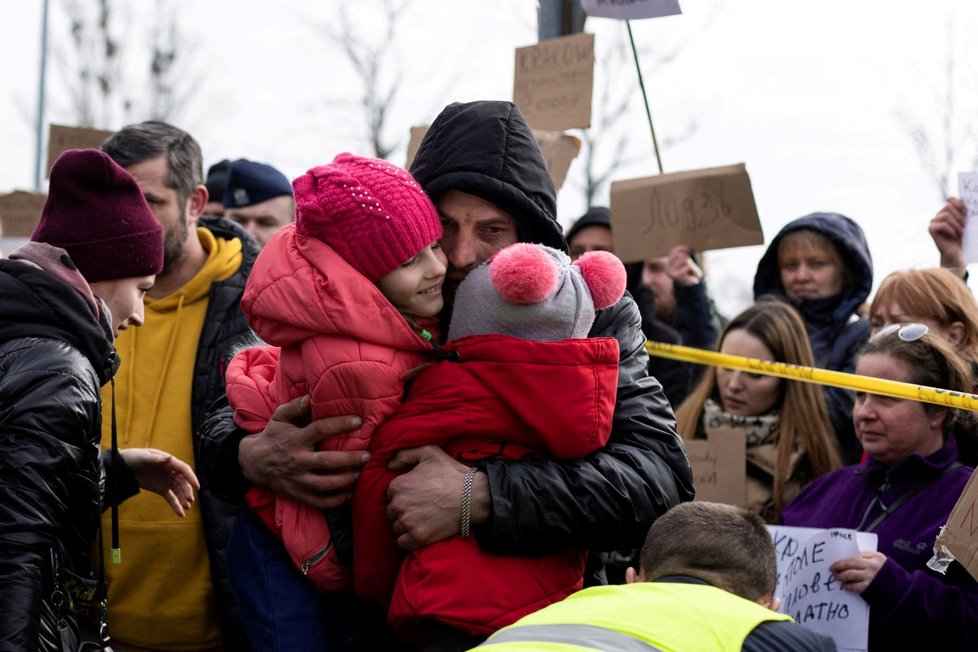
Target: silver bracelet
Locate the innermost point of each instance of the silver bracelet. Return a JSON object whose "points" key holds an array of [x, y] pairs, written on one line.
{"points": [[467, 501]]}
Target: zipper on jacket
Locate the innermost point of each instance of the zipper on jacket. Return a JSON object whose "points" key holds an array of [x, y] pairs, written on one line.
{"points": [[314, 557]]}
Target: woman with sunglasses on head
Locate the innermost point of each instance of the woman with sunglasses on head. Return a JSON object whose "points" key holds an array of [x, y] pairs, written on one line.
{"points": [[786, 424], [904, 493], [935, 297]]}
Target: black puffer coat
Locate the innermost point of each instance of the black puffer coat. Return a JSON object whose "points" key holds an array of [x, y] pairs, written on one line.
{"points": [[54, 356]]}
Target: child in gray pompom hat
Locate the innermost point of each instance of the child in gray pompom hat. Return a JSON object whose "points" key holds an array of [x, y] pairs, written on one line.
{"points": [[518, 379]]}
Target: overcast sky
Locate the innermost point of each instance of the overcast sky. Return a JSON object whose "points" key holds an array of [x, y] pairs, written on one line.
{"points": [[805, 93]]}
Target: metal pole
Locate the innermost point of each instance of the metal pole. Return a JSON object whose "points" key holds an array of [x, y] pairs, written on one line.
{"points": [[551, 19], [645, 97], [39, 136]]}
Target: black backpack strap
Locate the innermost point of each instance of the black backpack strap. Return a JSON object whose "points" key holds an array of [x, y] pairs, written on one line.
{"points": [[910, 493]]}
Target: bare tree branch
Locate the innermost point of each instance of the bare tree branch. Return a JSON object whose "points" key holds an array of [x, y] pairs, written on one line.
{"points": [[948, 142], [376, 68]]}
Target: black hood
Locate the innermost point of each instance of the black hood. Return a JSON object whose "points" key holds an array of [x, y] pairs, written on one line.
{"points": [[34, 303], [486, 149], [847, 236]]}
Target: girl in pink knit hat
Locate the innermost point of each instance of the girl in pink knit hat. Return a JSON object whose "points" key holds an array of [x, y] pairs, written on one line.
{"points": [[346, 299]]}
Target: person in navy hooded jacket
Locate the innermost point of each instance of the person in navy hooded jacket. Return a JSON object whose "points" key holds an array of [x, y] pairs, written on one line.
{"points": [[821, 264]]}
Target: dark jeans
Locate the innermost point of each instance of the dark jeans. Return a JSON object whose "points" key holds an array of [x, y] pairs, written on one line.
{"points": [[282, 610]]}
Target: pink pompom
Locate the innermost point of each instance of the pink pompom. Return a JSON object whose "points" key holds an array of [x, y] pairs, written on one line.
{"points": [[605, 277], [523, 273]]}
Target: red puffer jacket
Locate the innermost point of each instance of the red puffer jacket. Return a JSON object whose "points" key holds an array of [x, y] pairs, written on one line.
{"points": [[492, 397], [336, 338]]}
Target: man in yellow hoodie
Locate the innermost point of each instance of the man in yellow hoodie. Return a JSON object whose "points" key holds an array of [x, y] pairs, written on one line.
{"points": [[170, 592]]}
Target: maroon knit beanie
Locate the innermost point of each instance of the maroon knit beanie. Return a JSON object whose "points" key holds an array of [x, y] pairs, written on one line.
{"points": [[372, 213], [96, 212]]}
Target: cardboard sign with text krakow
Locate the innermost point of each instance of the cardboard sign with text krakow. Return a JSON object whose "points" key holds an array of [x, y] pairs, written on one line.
{"points": [[719, 466], [19, 213], [61, 138], [960, 535], [712, 208], [553, 82]]}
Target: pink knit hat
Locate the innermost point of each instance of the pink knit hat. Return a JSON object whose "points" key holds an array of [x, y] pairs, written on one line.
{"points": [[372, 213]]}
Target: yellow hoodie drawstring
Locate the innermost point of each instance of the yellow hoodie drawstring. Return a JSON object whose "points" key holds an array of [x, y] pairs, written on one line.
{"points": [[166, 365]]}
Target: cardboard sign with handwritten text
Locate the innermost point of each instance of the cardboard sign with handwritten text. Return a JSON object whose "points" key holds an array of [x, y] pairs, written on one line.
{"points": [[711, 208], [559, 150], [414, 142], [19, 212], [61, 138], [960, 534], [554, 81], [719, 465]]}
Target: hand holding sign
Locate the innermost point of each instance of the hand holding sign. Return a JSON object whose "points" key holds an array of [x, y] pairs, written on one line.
{"points": [[947, 230], [968, 188]]}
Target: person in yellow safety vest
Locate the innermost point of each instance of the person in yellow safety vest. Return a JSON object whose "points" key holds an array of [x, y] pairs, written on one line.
{"points": [[706, 583]]}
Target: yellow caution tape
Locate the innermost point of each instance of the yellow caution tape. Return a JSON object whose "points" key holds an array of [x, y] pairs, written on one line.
{"points": [[815, 375]]}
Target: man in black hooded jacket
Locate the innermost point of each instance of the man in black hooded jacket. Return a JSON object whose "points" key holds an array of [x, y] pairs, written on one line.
{"points": [[481, 165]]}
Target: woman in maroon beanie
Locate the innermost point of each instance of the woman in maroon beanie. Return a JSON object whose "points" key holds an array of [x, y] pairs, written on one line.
{"points": [[63, 298]]}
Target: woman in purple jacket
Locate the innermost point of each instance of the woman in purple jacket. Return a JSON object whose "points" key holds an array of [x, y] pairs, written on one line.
{"points": [[904, 493]]}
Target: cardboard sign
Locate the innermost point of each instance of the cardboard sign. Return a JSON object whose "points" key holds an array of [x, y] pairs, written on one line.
{"points": [[968, 192], [630, 9], [19, 213], [559, 149], [712, 208], [554, 81], [417, 135], [719, 465], [61, 138], [960, 536], [807, 589]]}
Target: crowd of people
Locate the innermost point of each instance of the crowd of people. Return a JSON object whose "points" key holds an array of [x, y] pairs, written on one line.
{"points": [[398, 409]]}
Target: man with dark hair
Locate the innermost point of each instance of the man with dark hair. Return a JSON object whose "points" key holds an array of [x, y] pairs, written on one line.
{"points": [[170, 373], [706, 583], [483, 169]]}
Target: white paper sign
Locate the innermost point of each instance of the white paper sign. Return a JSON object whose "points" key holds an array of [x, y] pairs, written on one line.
{"points": [[808, 592], [968, 191], [630, 9]]}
